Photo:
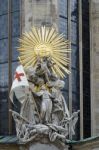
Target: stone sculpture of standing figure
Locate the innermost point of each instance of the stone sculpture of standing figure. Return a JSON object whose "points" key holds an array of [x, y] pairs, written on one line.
{"points": [[46, 104]]}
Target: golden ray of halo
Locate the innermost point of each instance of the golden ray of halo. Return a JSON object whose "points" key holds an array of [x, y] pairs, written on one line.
{"points": [[45, 42]]}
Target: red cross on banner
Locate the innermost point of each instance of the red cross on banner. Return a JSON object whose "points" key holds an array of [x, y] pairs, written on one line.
{"points": [[18, 76]]}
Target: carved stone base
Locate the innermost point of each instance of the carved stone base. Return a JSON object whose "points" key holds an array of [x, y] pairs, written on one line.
{"points": [[44, 144]]}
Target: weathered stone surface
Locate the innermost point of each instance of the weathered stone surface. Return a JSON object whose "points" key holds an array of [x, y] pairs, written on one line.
{"points": [[39, 13], [44, 144], [95, 66], [39, 146]]}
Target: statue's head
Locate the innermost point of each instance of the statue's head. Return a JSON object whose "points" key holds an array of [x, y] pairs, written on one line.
{"points": [[30, 71], [60, 84]]}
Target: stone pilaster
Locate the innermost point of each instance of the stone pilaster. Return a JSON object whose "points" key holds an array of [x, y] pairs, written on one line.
{"points": [[94, 51]]}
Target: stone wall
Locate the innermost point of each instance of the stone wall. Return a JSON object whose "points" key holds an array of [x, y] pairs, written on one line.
{"points": [[94, 51], [38, 12]]}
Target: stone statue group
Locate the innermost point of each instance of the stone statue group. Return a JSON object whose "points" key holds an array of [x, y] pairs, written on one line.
{"points": [[44, 112]]}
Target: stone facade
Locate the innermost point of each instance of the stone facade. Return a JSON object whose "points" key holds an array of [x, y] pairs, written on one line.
{"points": [[38, 13], [94, 50]]}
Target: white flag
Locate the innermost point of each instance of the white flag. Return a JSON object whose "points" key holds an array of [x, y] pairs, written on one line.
{"points": [[20, 85]]}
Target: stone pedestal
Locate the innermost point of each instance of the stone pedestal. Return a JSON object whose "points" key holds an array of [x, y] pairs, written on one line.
{"points": [[44, 144], [39, 146]]}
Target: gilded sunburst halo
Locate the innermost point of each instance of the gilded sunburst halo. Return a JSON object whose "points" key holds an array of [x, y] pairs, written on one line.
{"points": [[45, 42]]}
